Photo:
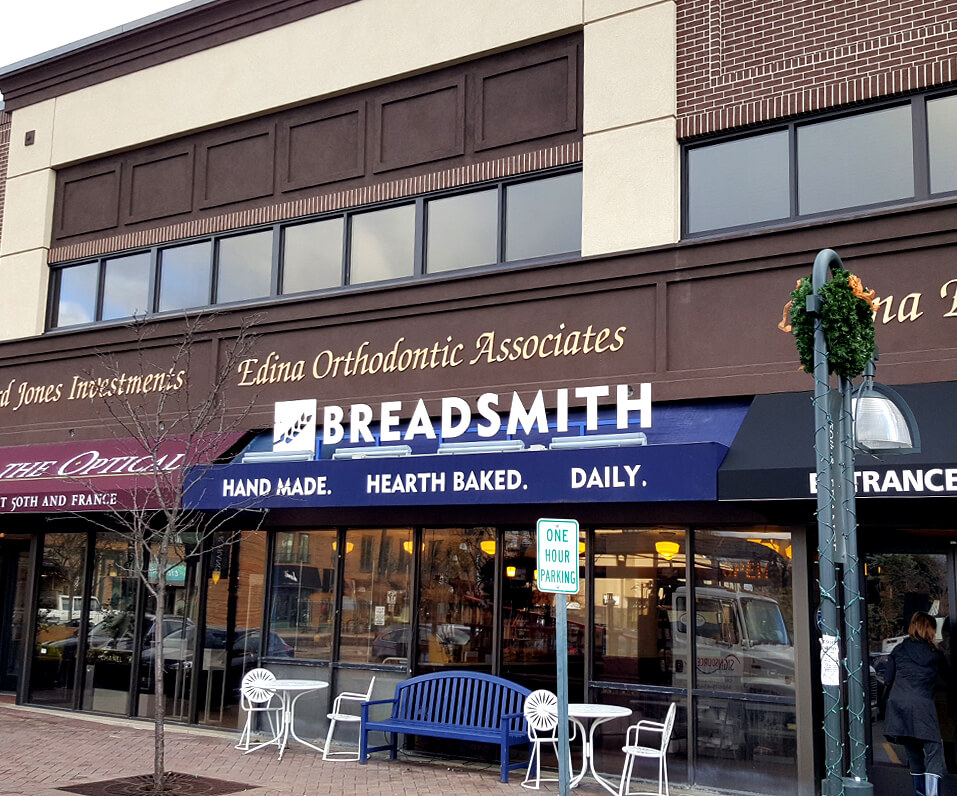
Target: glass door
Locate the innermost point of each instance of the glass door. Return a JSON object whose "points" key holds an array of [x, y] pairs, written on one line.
{"points": [[898, 584], [58, 619], [14, 573]]}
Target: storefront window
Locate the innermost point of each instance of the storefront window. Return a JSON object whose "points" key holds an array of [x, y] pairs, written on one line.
{"points": [[458, 588], [303, 592], [58, 619], [234, 612], [639, 577], [377, 577], [181, 617], [528, 616], [744, 621], [110, 644]]}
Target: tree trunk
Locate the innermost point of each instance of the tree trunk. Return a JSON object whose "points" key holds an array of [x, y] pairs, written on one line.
{"points": [[159, 697]]}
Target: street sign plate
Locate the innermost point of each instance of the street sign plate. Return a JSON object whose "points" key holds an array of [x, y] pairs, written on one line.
{"points": [[557, 556]]}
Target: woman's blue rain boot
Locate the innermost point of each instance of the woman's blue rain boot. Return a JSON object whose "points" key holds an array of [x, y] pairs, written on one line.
{"points": [[931, 785]]}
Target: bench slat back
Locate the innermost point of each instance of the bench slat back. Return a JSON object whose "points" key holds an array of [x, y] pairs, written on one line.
{"points": [[470, 699]]}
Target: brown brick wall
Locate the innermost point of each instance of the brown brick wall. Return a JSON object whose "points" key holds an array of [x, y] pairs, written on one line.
{"points": [[4, 156], [742, 62]]}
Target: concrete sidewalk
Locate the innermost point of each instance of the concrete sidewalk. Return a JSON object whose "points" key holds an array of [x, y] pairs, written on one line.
{"points": [[41, 750]]}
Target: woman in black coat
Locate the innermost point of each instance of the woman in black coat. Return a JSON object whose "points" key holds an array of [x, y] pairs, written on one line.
{"points": [[913, 669]]}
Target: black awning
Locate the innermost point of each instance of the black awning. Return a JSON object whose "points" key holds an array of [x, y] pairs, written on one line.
{"points": [[772, 456]]}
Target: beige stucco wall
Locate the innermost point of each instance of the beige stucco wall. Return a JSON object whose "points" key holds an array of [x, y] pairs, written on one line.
{"points": [[630, 168], [631, 173], [27, 221]]}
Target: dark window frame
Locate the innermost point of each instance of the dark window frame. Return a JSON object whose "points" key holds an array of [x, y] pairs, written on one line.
{"points": [[420, 267], [921, 165]]}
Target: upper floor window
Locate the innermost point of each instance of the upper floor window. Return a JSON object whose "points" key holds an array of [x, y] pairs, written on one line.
{"points": [[898, 152], [511, 221]]}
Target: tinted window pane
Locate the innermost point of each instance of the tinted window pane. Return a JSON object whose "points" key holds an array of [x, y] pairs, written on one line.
{"points": [[462, 231], [377, 581], [529, 644], [312, 256], [455, 622], [383, 244], [126, 286], [77, 302], [245, 267], [184, 276], [754, 171], [303, 593], [942, 130], [543, 217], [855, 161], [637, 575]]}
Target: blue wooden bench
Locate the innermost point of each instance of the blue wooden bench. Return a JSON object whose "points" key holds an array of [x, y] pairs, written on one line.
{"points": [[468, 706]]}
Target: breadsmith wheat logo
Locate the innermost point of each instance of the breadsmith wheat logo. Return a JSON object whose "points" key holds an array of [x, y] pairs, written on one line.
{"points": [[294, 425]]}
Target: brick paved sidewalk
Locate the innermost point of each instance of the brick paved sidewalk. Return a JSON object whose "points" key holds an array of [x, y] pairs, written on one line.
{"points": [[41, 750]]}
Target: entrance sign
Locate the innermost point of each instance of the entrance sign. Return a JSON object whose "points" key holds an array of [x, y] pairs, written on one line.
{"points": [[558, 556]]}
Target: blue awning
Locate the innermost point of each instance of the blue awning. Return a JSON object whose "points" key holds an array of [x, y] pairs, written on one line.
{"points": [[686, 446]]}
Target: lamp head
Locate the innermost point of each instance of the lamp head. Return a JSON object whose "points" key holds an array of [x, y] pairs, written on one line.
{"points": [[883, 422]]}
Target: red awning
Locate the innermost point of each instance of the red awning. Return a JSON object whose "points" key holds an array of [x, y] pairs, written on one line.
{"points": [[102, 475]]}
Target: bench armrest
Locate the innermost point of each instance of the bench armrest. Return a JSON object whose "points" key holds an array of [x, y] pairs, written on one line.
{"points": [[369, 704]]}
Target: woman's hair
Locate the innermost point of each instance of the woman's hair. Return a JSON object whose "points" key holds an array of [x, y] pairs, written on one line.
{"points": [[923, 627]]}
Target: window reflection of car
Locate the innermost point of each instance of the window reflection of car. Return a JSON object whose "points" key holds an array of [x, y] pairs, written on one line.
{"points": [[178, 648], [451, 641], [113, 633]]}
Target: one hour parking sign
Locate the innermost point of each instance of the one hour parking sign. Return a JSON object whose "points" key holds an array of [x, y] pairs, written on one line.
{"points": [[558, 556]]}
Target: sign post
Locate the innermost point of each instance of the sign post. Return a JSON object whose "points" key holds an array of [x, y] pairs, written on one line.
{"points": [[557, 548]]}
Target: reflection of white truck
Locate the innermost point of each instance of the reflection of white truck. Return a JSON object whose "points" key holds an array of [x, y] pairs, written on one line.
{"points": [[742, 642], [888, 644], [742, 646]]}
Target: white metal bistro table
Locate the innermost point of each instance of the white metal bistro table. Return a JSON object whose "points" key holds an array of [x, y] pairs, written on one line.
{"points": [[588, 717], [290, 692]]}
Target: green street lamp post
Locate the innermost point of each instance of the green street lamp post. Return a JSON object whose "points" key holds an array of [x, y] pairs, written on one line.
{"points": [[872, 419]]}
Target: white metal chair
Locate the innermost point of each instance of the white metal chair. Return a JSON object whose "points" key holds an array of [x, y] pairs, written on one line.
{"points": [[541, 715], [337, 715], [257, 699], [633, 751]]}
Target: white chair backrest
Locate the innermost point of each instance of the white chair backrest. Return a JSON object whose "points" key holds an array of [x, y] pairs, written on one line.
{"points": [[255, 686], [369, 692], [668, 727], [541, 712]]}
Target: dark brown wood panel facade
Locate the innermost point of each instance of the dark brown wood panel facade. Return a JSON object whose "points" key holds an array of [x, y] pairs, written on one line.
{"points": [[450, 118], [697, 320]]}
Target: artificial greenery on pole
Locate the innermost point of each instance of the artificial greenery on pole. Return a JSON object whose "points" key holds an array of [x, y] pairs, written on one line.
{"points": [[847, 317]]}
